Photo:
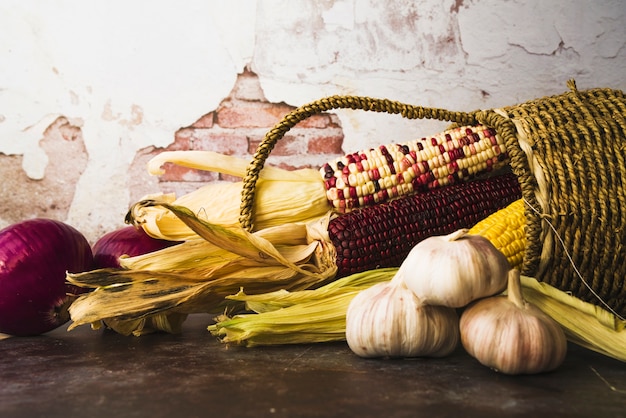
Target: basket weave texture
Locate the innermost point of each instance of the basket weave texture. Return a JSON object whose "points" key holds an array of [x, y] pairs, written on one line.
{"points": [[569, 154]]}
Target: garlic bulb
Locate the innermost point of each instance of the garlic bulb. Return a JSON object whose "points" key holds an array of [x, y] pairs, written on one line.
{"points": [[511, 335], [455, 269], [388, 320]]}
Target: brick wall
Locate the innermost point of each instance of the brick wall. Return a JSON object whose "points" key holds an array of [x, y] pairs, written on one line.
{"points": [[236, 128]]}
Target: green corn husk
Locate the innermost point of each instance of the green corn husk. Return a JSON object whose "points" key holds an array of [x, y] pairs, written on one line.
{"points": [[319, 315], [306, 316]]}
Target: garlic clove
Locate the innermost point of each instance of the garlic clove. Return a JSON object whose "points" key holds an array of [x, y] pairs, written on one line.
{"points": [[454, 270], [388, 320], [512, 336]]}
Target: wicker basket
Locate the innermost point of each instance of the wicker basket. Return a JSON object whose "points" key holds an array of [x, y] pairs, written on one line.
{"points": [[569, 154]]}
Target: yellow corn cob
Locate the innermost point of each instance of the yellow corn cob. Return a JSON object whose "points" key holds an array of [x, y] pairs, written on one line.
{"points": [[506, 231]]}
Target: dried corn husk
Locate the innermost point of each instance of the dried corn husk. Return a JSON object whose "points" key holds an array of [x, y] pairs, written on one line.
{"points": [[283, 196], [289, 256]]}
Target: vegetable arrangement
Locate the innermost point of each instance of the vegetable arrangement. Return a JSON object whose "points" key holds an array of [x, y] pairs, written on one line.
{"points": [[402, 251], [299, 317]]}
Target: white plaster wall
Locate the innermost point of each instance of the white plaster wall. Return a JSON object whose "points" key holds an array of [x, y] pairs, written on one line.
{"points": [[130, 73]]}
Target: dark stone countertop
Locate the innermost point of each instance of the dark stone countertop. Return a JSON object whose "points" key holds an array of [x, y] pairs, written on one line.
{"points": [[86, 373]]}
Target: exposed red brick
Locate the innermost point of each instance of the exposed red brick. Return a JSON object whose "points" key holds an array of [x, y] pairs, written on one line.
{"points": [[326, 144], [175, 172], [251, 115], [287, 166], [205, 121], [287, 145], [237, 127], [181, 140], [229, 143], [228, 177], [320, 121]]}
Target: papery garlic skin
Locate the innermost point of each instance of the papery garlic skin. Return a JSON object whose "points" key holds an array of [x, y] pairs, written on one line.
{"points": [[387, 320], [454, 270], [511, 335]]}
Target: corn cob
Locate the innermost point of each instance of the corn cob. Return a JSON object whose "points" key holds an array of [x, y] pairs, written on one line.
{"points": [[357, 180], [377, 175], [400, 224], [506, 229]]}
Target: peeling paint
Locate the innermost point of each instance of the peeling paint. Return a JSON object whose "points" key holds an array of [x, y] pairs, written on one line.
{"points": [[126, 77]]}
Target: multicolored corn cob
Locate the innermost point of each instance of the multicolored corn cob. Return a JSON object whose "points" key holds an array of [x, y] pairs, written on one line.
{"points": [[380, 174], [382, 235], [506, 229]]}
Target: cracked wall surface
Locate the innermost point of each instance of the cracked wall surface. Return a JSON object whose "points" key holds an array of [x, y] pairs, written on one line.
{"points": [[88, 91]]}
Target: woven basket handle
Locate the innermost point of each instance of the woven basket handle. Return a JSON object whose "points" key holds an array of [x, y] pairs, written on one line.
{"points": [[334, 102]]}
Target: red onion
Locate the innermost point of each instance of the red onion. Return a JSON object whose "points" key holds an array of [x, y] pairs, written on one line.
{"points": [[35, 256], [128, 241]]}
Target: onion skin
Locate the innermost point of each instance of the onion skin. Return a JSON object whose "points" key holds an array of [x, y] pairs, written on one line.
{"points": [[128, 241], [35, 256]]}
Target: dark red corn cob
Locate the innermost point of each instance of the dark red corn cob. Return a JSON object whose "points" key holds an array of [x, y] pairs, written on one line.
{"points": [[382, 235]]}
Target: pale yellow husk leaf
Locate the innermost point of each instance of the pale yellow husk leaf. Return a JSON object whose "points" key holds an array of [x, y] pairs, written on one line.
{"points": [[282, 196], [197, 275]]}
